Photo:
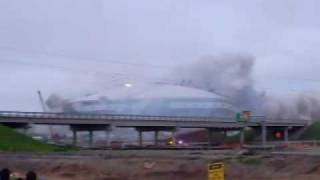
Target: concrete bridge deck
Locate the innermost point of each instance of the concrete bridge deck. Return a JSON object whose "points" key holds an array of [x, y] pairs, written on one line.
{"points": [[138, 120]]}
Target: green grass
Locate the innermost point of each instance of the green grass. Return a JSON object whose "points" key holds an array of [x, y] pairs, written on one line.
{"points": [[312, 132], [13, 141]]}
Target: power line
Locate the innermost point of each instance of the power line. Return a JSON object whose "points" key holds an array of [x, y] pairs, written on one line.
{"points": [[108, 61], [114, 77], [57, 67]]}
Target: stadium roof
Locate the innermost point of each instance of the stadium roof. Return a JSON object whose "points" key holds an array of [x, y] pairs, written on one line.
{"points": [[150, 91]]}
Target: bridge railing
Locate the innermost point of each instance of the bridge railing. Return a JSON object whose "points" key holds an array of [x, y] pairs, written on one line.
{"points": [[88, 116], [105, 116]]}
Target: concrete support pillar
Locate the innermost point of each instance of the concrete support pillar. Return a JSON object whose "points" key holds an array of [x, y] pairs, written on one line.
{"points": [[140, 138], [286, 134], [90, 138], [74, 137], [224, 137], [175, 131], [242, 137], [224, 132], [156, 137], [108, 132], [210, 137], [108, 135], [264, 134], [25, 130]]}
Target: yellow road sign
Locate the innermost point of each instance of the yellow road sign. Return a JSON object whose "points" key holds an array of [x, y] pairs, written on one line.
{"points": [[216, 171]]}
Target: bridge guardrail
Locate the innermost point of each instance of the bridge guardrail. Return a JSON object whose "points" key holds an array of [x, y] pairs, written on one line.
{"points": [[103, 116], [84, 116]]}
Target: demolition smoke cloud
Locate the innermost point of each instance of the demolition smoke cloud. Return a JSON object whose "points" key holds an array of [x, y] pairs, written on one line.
{"points": [[226, 75], [231, 76], [303, 106]]}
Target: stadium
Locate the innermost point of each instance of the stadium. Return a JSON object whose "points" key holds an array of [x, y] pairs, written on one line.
{"points": [[155, 99]]}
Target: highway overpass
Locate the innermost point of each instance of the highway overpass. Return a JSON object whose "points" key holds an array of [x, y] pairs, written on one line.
{"points": [[94, 122]]}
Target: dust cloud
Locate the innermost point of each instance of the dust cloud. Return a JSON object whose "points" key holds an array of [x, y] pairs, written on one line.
{"points": [[232, 76], [226, 75]]}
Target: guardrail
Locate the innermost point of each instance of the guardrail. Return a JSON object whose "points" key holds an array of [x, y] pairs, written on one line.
{"points": [[111, 116], [306, 143], [88, 116], [300, 145]]}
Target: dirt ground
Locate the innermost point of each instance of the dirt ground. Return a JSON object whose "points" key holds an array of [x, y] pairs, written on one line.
{"points": [[157, 166]]}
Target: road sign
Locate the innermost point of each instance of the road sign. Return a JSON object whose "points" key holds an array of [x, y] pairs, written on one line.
{"points": [[216, 171], [243, 117], [238, 117], [246, 116]]}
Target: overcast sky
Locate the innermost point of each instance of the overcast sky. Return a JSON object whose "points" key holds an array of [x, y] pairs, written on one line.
{"points": [[74, 47]]}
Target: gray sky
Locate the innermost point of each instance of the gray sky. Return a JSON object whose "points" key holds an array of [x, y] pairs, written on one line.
{"points": [[72, 47]]}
